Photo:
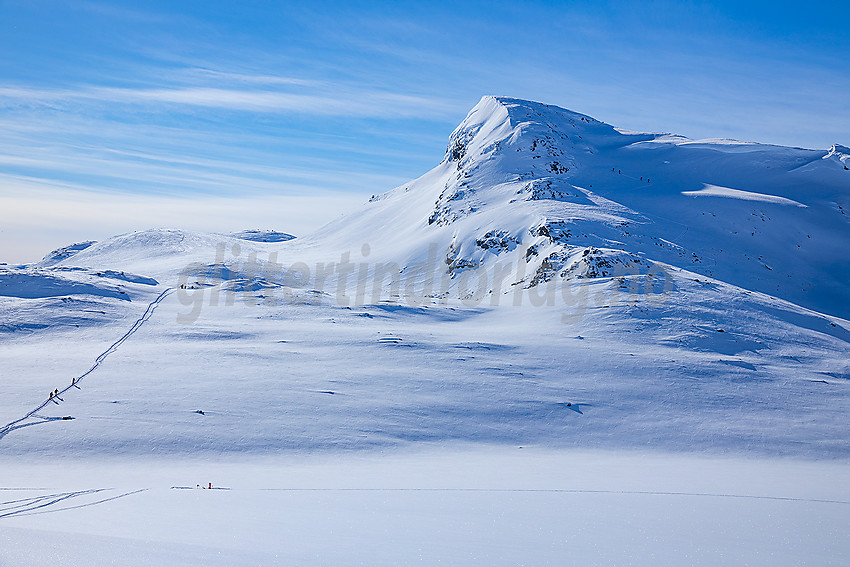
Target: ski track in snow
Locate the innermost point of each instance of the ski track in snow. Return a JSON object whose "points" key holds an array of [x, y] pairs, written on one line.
{"points": [[562, 491], [46, 503], [19, 423]]}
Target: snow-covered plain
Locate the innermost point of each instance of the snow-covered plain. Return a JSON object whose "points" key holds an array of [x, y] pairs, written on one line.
{"points": [[565, 344], [437, 506]]}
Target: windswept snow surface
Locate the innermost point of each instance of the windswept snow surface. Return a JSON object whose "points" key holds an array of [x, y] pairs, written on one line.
{"points": [[257, 235], [565, 343], [729, 193], [64, 253]]}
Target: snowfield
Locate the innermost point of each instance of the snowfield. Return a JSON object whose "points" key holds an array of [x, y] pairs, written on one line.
{"points": [[436, 506], [567, 343]]}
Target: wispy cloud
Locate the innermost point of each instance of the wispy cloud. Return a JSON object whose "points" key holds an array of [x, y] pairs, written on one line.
{"points": [[256, 79], [326, 99], [126, 159], [185, 133]]}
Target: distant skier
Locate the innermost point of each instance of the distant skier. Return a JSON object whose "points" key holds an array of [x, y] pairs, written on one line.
{"points": [[51, 396], [56, 392]]}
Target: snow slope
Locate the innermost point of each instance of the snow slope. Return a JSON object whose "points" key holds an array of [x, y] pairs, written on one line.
{"points": [[554, 284]]}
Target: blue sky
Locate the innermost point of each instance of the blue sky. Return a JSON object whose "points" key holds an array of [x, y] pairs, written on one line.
{"points": [[220, 116]]}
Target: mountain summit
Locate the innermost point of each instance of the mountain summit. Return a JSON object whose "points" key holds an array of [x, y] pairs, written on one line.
{"points": [[574, 197]]}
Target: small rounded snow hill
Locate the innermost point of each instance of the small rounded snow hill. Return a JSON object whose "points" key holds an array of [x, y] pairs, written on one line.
{"points": [[159, 253]]}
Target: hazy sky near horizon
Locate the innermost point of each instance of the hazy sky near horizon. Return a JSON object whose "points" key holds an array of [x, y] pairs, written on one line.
{"points": [[219, 116]]}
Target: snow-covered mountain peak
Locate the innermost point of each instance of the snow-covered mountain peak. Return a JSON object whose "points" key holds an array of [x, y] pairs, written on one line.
{"points": [[576, 197], [508, 150], [499, 124]]}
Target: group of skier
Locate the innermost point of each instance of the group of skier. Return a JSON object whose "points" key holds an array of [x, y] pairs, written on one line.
{"points": [[55, 393], [620, 172]]}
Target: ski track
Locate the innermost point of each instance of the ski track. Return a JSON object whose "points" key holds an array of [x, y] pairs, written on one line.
{"points": [[19, 423], [560, 491], [45, 504]]}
